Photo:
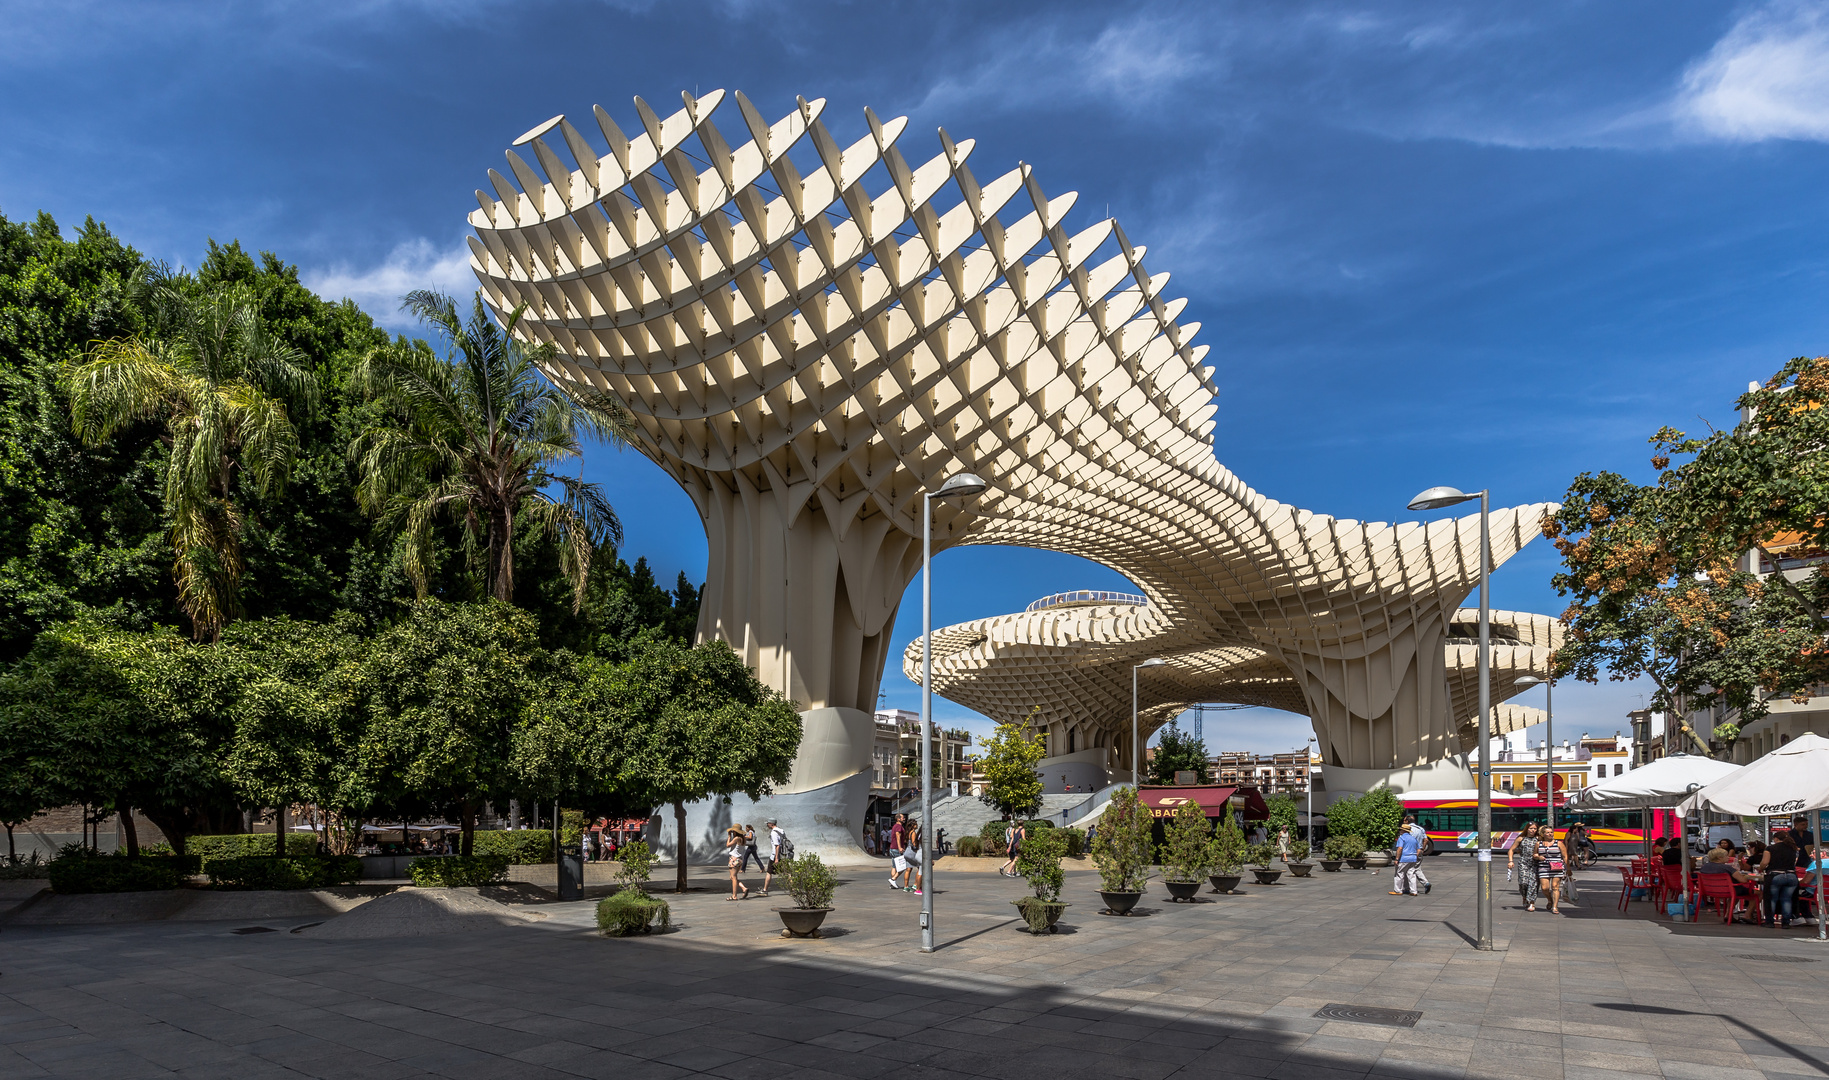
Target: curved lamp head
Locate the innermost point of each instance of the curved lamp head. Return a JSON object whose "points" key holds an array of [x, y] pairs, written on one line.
{"points": [[1437, 497], [1528, 680], [1154, 661], [960, 485]]}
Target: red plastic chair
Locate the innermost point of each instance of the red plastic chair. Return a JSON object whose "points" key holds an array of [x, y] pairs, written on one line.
{"points": [[1717, 890], [1637, 876], [1671, 879]]}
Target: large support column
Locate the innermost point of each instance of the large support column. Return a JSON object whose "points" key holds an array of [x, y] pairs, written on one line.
{"points": [[1379, 702]]}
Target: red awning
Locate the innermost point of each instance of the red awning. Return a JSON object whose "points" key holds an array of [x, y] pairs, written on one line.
{"points": [[1163, 801]]}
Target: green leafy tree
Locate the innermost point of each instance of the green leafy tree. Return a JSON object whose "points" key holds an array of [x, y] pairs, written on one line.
{"points": [[1121, 845], [1383, 817], [1186, 847], [1227, 851], [1345, 817], [474, 440], [1178, 751], [217, 381], [1654, 574], [1283, 815], [1011, 785]]}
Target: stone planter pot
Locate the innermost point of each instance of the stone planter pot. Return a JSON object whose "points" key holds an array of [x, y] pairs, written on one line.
{"points": [[1332, 866], [1120, 903], [1378, 858], [1225, 883], [1299, 869], [803, 921], [1182, 890], [1356, 864], [1266, 876], [1051, 910]]}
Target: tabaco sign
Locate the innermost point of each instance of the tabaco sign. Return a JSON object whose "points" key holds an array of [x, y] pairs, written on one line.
{"points": [[1212, 799]]}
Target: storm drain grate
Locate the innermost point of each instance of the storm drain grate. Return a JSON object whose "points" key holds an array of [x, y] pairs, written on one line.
{"points": [[255, 930], [1774, 959], [1367, 1014]]}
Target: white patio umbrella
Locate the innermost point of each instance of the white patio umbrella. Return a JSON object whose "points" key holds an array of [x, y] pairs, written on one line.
{"points": [[1660, 785], [1788, 781]]}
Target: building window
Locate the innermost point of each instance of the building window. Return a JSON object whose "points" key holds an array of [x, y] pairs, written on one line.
{"points": [[1617, 769], [1505, 783]]}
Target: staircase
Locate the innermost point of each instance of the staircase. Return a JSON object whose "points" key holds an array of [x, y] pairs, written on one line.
{"points": [[964, 815]]}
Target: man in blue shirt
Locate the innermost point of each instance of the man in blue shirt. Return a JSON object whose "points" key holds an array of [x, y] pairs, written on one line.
{"points": [[1409, 847]]}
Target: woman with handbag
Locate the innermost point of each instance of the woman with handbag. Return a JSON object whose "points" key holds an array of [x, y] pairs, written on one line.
{"points": [[1550, 868], [734, 848], [1521, 865]]}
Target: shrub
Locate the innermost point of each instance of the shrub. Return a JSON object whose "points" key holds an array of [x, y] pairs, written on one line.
{"points": [[1121, 846], [71, 872], [22, 867], [1283, 812], [1227, 851], [632, 911], [634, 862], [992, 830], [1260, 855], [809, 881], [1038, 823], [1345, 817], [267, 872], [458, 871], [245, 845], [971, 847], [1344, 846], [1298, 851], [1384, 817], [1185, 851], [1040, 862], [523, 847]]}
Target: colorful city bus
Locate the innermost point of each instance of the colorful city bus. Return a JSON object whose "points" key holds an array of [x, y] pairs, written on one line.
{"points": [[1448, 817]]}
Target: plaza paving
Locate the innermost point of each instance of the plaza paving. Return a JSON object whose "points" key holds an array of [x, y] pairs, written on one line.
{"points": [[1224, 988]]}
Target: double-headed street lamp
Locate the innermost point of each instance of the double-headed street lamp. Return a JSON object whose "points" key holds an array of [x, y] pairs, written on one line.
{"points": [[1549, 748], [1434, 499], [957, 486], [1136, 758]]}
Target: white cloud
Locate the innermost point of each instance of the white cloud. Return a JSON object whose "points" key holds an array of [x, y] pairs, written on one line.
{"points": [[1768, 78], [1130, 64], [416, 264]]}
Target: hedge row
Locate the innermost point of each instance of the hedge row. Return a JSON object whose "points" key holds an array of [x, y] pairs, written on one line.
{"points": [[267, 872], [244, 845], [458, 871], [86, 873], [523, 847]]}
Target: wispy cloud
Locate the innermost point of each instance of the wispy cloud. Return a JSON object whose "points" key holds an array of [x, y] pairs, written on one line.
{"points": [[416, 264], [1768, 78]]}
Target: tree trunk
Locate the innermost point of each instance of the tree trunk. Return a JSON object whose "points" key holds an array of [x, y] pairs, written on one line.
{"points": [[679, 844], [12, 853], [514, 813], [279, 832], [132, 834], [468, 819], [175, 824], [501, 574]]}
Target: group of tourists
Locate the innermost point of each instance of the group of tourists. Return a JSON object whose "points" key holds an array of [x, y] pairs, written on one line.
{"points": [[902, 841], [740, 849]]}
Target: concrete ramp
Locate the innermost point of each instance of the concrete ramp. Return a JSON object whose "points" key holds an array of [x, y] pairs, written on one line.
{"points": [[192, 905], [424, 913]]}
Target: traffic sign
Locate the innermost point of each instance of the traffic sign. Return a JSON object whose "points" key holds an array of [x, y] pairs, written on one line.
{"points": [[1544, 780]]}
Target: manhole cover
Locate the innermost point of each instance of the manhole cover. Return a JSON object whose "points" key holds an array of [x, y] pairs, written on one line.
{"points": [[255, 930], [1367, 1014], [1774, 959]]}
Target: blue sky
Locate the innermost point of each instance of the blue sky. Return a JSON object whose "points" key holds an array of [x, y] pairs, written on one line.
{"points": [[1482, 245]]}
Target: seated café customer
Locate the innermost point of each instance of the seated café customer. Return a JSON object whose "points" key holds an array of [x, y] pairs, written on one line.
{"points": [[1721, 861], [1673, 853]]}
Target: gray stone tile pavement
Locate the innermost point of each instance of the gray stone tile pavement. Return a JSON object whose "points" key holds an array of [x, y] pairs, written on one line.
{"points": [[1226, 987]]}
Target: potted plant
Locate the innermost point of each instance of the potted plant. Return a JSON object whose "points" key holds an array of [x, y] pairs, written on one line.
{"points": [[1352, 849], [1120, 849], [629, 910], [1184, 853], [1040, 862], [1333, 853], [1297, 858], [1225, 855], [1260, 856], [811, 884]]}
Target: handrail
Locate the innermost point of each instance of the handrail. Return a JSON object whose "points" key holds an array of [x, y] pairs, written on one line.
{"points": [[1087, 596]]}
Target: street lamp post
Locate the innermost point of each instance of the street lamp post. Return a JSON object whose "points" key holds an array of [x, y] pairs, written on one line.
{"points": [[1434, 499], [1549, 747], [1308, 785], [1136, 758], [957, 486]]}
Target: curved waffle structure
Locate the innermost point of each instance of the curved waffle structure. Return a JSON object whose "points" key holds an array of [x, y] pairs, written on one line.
{"points": [[809, 339]]}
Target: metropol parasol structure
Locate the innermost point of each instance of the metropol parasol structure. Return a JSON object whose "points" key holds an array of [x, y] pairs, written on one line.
{"points": [[810, 335]]}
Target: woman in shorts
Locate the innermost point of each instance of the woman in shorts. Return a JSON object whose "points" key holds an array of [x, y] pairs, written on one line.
{"points": [[736, 850]]}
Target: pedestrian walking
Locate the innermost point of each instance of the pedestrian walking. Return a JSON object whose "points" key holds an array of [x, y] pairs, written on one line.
{"points": [[733, 850], [749, 847], [775, 840], [1408, 849], [916, 857], [1013, 835], [898, 843], [1282, 843], [1550, 868], [1422, 845], [1521, 865]]}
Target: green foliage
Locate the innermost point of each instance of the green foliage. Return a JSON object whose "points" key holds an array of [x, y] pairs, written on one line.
{"points": [[1179, 751], [1652, 570], [1121, 846], [1040, 862], [1344, 846], [571, 829], [1384, 817], [1299, 851], [1345, 817], [1260, 855], [1076, 840], [267, 872], [1283, 815], [992, 831], [1036, 912], [1011, 786], [1186, 848], [240, 845], [83, 872], [521, 847], [970, 847], [631, 911], [809, 881], [458, 871], [1226, 852], [634, 862]]}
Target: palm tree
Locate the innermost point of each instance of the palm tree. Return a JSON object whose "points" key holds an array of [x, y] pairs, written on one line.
{"points": [[216, 378], [477, 436]]}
